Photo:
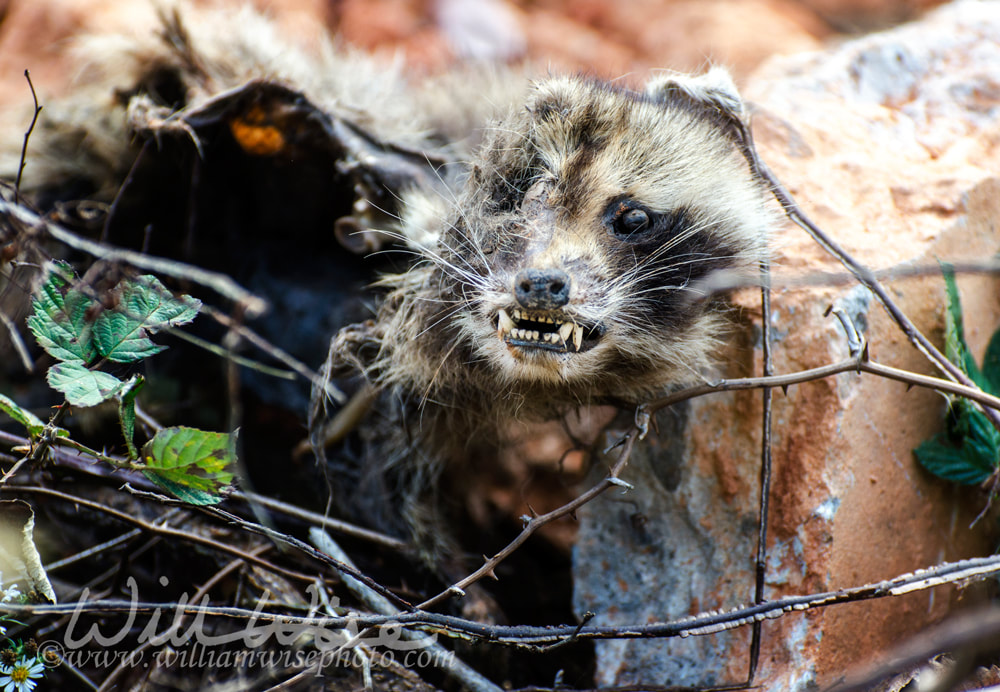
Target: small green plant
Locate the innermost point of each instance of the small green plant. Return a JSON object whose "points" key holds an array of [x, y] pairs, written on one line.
{"points": [[968, 451], [83, 335]]}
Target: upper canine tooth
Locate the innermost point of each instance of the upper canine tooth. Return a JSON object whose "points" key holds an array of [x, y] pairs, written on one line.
{"points": [[577, 336], [565, 331], [504, 322]]}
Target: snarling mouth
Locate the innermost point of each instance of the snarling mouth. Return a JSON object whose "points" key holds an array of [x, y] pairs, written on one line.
{"points": [[551, 331]]}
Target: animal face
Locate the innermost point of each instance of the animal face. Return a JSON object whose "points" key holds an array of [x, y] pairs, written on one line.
{"points": [[587, 228]]}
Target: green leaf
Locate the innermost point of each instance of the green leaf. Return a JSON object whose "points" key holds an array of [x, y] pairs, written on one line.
{"points": [[145, 306], [956, 349], [81, 386], [950, 463], [26, 418], [184, 493], [191, 463], [991, 364], [160, 308], [122, 339], [126, 411], [60, 320]]}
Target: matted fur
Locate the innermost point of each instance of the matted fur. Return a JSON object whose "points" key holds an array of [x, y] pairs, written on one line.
{"points": [[580, 145], [549, 190]]}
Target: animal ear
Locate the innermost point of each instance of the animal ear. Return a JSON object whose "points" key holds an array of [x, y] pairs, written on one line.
{"points": [[714, 90]]}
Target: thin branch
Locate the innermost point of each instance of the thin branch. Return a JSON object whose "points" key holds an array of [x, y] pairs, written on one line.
{"points": [[163, 531], [849, 365], [27, 136], [220, 283], [868, 279], [760, 563], [535, 523], [532, 635], [973, 633], [18, 343], [467, 677], [321, 521], [136, 654], [277, 353]]}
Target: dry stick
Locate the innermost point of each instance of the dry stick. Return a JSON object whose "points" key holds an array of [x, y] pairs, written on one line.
{"points": [[138, 652], [868, 279], [970, 634], [857, 364], [452, 667], [220, 283], [321, 521], [530, 635], [535, 523], [41, 446], [278, 537], [79, 463], [18, 343], [156, 530], [275, 352], [27, 136], [760, 564], [340, 567]]}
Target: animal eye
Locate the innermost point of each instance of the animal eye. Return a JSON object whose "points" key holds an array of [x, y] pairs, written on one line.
{"points": [[626, 219], [634, 221]]}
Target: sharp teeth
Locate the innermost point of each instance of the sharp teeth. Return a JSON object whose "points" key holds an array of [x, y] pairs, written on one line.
{"points": [[504, 323], [565, 331], [534, 335], [577, 336]]}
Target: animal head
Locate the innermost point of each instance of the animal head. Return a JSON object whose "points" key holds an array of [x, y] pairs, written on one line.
{"points": [[578, 250]]}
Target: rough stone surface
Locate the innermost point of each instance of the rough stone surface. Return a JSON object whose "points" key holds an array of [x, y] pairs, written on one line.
{"points": [[891, 144]]}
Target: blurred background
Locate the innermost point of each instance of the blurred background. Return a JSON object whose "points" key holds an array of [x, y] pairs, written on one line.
{"points": [[610, 38]]}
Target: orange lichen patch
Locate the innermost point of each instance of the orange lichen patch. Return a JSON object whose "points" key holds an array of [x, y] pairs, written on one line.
{"points": [[256, 133]]}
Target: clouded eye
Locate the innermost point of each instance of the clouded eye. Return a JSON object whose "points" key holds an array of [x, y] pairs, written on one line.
{"points": [[628, 220], [633, 221]]}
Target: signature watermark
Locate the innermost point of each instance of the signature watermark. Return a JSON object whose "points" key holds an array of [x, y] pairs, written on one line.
{"points": [[183, 638]]}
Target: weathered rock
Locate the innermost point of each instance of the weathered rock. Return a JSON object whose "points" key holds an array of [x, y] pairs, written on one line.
{"points": [[890, 143]]}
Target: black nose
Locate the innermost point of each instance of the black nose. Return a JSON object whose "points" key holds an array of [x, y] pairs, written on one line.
{"points": [[542, 289]]}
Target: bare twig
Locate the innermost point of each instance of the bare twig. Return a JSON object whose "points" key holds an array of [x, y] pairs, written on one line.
{"points": [[849, 365], [532, 635], [867, 278], [163, 531], [220, 283], [535, 523], [971, 634], [467, 677], [760, 563], [27, 136], [275, 352], [18, 343], [201, 593]]}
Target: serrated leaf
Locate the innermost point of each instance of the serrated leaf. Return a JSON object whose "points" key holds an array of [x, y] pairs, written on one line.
{"points": [[196, 460], [126, 411], [145, 306], [160, 308], [184, 493], [122, 339], [59, 320], [956, 348], [26, 418], [991, 364], [950, 463], [82, 387]]}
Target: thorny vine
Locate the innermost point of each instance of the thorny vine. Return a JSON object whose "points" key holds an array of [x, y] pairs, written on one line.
{"points": [[393, 611]]}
